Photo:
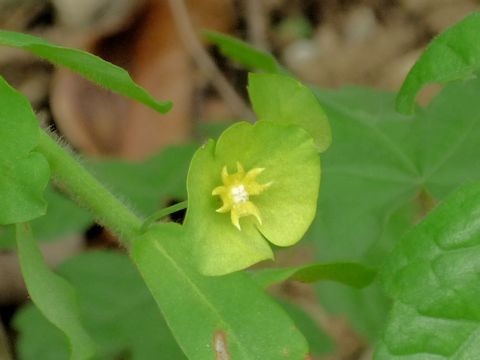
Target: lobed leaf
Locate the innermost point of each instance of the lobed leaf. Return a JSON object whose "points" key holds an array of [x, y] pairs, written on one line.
{"points": [[90, 66], [233, 318], [53, 295], [244, 53], [383, 173], [432, 276], [453, 55], [351, 274], [24, 173], [284, 100]]}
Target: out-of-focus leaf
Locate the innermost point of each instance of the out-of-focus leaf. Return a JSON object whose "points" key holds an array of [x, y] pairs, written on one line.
{"points": [[432, 276], [148, 185], [63, 218], [282, 99], [155, 181], [244, 53], [90, 66], [453, 55], [233, 317], [117, 309], [53, 295], [147, 45], [24, 173], [351, 274], [320, 343], [380, 175]]}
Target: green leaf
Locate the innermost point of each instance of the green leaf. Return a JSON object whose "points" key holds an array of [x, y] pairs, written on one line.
{"points": [[52, 294], [284, 100], [380, 176], [63, 218], [232, 314], [453, 55], [432, 275], [320, 343], [286, 208], [351, 274], [90, 66], [116, 307], [244, 53], [24, 173], [156, 180]]}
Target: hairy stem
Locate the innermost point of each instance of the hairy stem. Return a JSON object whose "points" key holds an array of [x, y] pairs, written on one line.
{"points": [[88, 191]]}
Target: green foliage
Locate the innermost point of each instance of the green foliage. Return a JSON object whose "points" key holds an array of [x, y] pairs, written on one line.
{"points": [[156, 180], [320, 343], [432, 275], [24, 173], [116, 308], [63, 218], [89, 66], [453, 55], [244, 53], [286, 208], [352, 274], [208, 315], [383, 173], [53, 295], [284, 100]]}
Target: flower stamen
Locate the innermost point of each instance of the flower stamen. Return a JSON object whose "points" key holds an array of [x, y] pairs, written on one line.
{"points": [[236, 191]]}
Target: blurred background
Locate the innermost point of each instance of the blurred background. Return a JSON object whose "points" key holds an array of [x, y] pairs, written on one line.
{"points": [[325, 43]]}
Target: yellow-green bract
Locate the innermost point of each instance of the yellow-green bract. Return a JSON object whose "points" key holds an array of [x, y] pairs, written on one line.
{"points": [[291, 164]]}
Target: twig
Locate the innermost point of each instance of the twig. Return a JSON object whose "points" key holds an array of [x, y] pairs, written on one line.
{"points": [[257, 28], [205, 62]]}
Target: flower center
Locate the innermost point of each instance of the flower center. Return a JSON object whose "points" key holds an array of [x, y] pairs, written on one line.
{"points": [[239, 194], [236, 191]]}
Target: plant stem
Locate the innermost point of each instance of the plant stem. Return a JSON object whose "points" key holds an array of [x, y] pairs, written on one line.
{"points": [[89, 192], [157, 215]]}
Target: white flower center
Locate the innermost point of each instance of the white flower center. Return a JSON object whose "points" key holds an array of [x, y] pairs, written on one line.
{"points": [[239, 194]]}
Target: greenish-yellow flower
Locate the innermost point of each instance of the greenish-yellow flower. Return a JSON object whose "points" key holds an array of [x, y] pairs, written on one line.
{"points": [[236, 191]]}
